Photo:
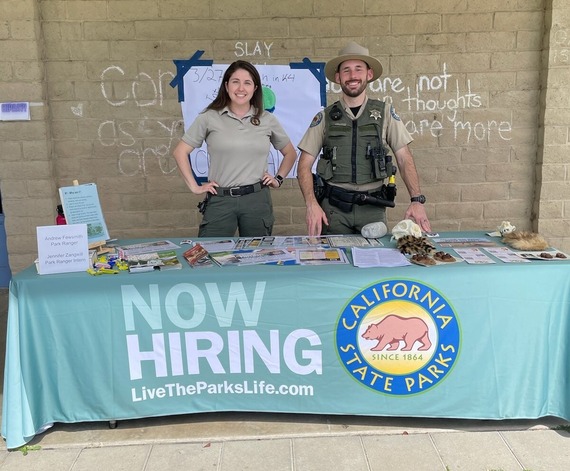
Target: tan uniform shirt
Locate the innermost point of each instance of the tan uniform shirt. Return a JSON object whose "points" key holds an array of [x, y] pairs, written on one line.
{"points": [[237, 149], [394, 134]]}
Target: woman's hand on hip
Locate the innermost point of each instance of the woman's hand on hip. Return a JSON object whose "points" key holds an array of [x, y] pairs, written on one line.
{"points": [[208, 187], [270, 180]]}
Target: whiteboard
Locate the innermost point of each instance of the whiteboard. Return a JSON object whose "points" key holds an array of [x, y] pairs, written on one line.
{"points": [[295, 93]]}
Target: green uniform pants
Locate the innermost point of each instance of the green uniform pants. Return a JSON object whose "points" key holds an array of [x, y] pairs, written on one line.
{"points": [[251, 215], [352, 222]]}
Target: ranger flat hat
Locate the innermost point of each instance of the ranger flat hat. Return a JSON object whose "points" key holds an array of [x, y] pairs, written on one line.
{"points": [[353, 51]]}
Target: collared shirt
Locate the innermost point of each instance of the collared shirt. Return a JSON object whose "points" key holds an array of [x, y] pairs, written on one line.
{"points": [[394, 134], [237, 149]]}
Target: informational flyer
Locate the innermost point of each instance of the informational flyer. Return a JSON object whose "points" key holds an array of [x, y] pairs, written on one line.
{"points": [[474, 255], [504, 254], [62, 249], [321, 256], [374, 257], [81, 206], [353, 241]]}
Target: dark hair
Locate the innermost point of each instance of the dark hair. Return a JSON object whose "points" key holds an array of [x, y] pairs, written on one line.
{"points": [[223, 99]]}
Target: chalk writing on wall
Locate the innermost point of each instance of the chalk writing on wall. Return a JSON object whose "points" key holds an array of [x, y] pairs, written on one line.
{"points": [[418, 98], [140, 86], [245, 50], [128, 136], [131, 137], [561, 47]]}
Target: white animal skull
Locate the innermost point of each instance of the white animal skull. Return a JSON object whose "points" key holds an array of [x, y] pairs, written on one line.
{"points": [[406, 227], [506, 228]]}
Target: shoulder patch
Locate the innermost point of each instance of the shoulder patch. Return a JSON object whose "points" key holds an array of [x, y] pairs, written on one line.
{"points": [[317, 119], [394, 114]]}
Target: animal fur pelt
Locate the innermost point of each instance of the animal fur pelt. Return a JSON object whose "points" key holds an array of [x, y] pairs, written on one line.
{"points": [[415, 245], [525, 240]]}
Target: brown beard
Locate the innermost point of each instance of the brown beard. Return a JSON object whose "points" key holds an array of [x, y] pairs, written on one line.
{"points": [[353, 93]]}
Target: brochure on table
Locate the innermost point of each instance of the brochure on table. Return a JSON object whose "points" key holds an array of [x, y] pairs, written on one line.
{"points": [[165, 260], [319, 250], [198, 257], [81, 206], [127, 251], [62, 249], [252, 256], [365, 258]]}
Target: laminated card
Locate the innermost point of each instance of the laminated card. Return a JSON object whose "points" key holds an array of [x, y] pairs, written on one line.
{"points": [[81, 206]]}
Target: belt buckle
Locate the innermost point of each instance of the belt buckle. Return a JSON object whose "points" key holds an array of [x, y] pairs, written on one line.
{"points": [[232, 191]]}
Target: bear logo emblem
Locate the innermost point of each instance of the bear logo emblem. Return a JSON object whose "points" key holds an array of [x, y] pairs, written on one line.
{"points": [[393, 329]]}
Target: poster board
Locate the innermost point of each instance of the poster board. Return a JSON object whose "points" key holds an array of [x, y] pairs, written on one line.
{"points": [[294, 94], [81, 206]]}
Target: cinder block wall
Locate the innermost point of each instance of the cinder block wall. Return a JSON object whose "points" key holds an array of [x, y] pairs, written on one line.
{"points": [[552, 200], [482, 85], [27, 179]]}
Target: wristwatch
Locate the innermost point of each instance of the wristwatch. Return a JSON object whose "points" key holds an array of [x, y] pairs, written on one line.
{"points": [[279, 178], [418, 199]]}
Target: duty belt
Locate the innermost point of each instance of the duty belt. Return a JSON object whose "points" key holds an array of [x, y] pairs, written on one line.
{"points": [[240, 190], [344, 195], [344, 199]]}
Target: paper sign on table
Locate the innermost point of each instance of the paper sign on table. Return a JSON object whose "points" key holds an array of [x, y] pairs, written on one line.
{"points": [[62, 249]]}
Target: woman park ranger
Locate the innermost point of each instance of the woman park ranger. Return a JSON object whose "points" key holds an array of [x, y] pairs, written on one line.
{"points": [[238, 132]]}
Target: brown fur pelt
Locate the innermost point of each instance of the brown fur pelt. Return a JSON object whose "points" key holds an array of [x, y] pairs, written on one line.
{"points": [[415, 245], [525, 240]]}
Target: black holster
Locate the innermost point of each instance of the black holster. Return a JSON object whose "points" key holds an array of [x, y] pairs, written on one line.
{"points": [[345, 199], [202, 205], [319, 188]]}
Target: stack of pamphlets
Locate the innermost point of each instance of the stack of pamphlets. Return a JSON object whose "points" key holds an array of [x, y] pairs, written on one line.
{"points": [[157, 255], [282, 241], [198, 257], [252, 257], [321, 256], [165, 260], [354, 240], [218, 245], [126, 251], [282, 250]]}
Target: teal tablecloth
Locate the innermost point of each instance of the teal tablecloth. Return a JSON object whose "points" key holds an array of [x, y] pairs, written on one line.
{"points": [[451, 341]]}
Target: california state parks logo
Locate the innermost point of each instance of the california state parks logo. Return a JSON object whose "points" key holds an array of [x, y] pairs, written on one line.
{"points": [[398, 337]]}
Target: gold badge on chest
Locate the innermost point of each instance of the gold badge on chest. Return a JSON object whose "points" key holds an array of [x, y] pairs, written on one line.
{"points": [[375, 114]]}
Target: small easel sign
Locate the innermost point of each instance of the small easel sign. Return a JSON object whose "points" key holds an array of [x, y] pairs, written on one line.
{"points": [[81, 205]]}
